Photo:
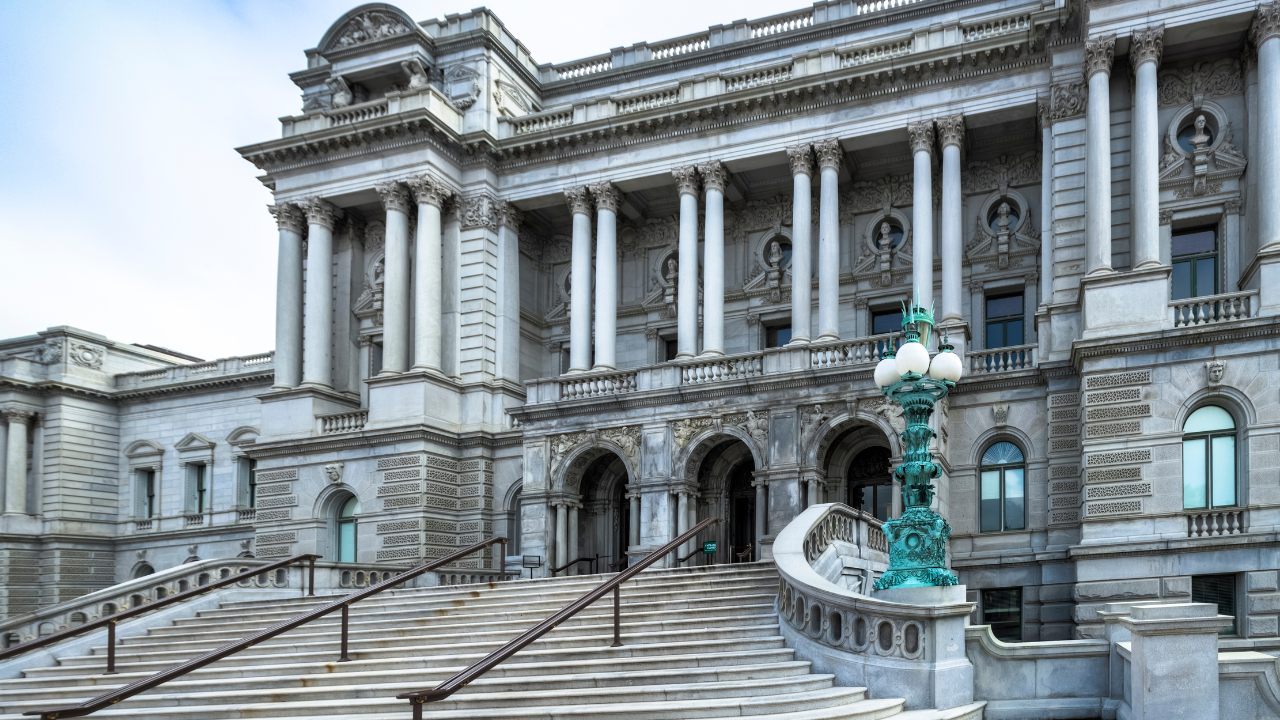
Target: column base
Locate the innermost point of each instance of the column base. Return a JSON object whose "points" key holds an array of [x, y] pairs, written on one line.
{"points": [[604, 368], [827, 337], [712, 353], [798, 341]]}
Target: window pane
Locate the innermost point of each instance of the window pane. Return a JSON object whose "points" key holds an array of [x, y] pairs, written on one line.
{"points": [[1195, 242], [884, 501], [1207, 418], [1002, 453], [1193, 479], [1206, 276], [1013, 332], [672, 349], [347, 541], [1004, 306], [995, 335], [991, 501], [868, 500], [883, 322], [1219, 590], [1224, 471], [1181, 280], [1013, 499], [1002, 610]]}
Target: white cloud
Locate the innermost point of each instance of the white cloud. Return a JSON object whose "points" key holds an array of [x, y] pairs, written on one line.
{"points": [[126, 210]]}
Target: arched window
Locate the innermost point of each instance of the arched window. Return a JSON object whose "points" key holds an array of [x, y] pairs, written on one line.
{"points": [[347, 530], [143, 570], [1209, 459], [1003, 488]]}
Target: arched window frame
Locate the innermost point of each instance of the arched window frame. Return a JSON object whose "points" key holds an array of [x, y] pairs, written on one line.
{"points": [[1211, 453], [1004, 478], [345, 524]]}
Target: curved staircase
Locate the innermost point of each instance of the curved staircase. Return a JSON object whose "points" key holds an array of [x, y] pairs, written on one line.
{"points": [[698, 643]]}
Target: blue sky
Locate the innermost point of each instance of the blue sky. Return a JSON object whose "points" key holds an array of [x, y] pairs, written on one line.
{"points": [[126, 210]]}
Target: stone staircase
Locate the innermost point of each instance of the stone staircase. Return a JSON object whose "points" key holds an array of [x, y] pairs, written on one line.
{"points": [[699, 643]]}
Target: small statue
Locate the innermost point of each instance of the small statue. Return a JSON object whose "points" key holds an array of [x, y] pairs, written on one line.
{"points": [[1201, 138], [1002, 217], [417, 73], [672, 270], [758, 428], [775, 254], [333, 471], [342, 94]]}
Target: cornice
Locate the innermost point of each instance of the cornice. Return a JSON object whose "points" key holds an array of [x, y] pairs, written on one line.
{"points": [[1251, 329], [381, 438], [52, 388], [390, 132]]}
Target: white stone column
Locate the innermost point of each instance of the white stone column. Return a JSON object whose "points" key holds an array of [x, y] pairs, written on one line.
{"points": [[829, 155], [714, 180], [508, 330], [633, 530], [292, 224], [1144, 53], [920, 135], [15, 492], [1265, 34], [562, 540], [396, 273], [572, 550], [317, 368], [607, 200], [814, 489], [951, 138], [580, 281], [1046, 203], [682, 520], [801, 159], [1098, 55], [687, 282], [762, 509], [428, 278]]}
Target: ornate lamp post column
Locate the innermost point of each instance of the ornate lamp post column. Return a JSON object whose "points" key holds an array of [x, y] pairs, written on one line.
{"points": [[917, 539]]}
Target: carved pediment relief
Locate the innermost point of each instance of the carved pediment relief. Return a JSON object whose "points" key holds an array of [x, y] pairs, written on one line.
{"points": [[363, 26], [510, 99]]}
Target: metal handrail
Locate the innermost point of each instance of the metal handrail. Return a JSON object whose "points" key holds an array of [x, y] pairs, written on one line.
{"points": [[686, 557], [110, 621], [575, 562], [417, 697], [113, 697]]}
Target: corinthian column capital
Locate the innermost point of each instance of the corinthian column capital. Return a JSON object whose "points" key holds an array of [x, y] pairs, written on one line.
{"points": [[1098, 54], [509, 216], [1147, 45], [579, 199], [686, 179], [951, 130], [289, 217], [801, 159], [18, 415], [829, 153], [1266, 24], [322, 212], [430, 190], [714, 176], [394, 196], [920, 136], [606, 196]]}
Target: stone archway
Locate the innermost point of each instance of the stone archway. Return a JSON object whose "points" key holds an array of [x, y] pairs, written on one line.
{"points": [[721, 470], [853, 456], [603, 520]]}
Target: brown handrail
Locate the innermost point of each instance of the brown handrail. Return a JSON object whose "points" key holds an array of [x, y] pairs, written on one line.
{"points": [[487, 663], [686, 557], [113, 697], [575, 562], [110, 621]]}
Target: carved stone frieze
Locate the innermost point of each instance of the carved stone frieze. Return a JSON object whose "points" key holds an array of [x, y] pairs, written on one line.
{"points": [[683, 430], [50, 353], [509, 216], [86, 355], [800, 157], [1179, 86], [626, 438], [714, 176], [606, 196], [1146, 45], [395, 197], [829, 153], [1068, 101], [289, 217], [920, 136], [951, 130], [478, 211], [686, 179], [462, 85], [811, 418], [562, 444], [1099, 54], [1044, 118], [579, 199], [887, 192]]}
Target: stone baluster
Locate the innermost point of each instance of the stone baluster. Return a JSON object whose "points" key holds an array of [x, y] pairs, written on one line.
{"points": [[714, 179], [431, 195], [951, 137], [292, 225], [1144, 53], [1099, 53], [317, 369], [15, 487], [829, 155], [395, 287], [580, 282], [801, 159], [607, 199], [920, 135], [687, 282]]}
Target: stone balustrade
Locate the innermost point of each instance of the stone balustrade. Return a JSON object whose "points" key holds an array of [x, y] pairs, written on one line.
{"points": [[582, 68], [681, 46], [342, 422], [197, 372], [997, 27], [576, 387], [718, 369], [999, 360], [647, 101], [849, 352], [882, 5], [357, 113], [785, 22], [1211, 309], [757, 78], [876, 53], [1214, 523]]}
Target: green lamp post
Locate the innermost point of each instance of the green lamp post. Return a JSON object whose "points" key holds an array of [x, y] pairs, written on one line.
{"points": [[917, 539]]}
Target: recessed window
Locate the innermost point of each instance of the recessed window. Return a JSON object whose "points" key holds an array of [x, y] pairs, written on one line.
{"points": [[1003, 216], [1003, 488], [249, 482], [1195, 263], [1219, 590], [1004, 320], [777, 335], [671, 348], [347, 530], [146, 493], [886, 321], [1002, 610], [1209, 459], [197, 488]]}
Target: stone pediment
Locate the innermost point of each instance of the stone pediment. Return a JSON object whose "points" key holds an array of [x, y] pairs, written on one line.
{"points": [[194, 441], [366, 24]]}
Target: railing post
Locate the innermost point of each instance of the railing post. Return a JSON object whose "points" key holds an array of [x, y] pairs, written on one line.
{"points": [[311, 578], [617, 617], [502, 559], [343, 657], [111, 648]]}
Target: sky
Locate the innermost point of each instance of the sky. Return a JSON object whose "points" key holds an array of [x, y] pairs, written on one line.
{"points": [[124, 209]]}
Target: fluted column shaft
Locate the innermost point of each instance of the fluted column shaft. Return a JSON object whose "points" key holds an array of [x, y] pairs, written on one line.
{"points": [[714, 179], [687, 285], [607, 199], [580, 282], [15, 492], [292, 225], [921, 138], [801, 224], [1144, 51], [1266, 38], [951, 137], [1098, 56], [428, 278], [317, 368], [396, 273], [829, 156]]}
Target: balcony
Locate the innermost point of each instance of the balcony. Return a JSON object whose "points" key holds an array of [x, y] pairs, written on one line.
{"points": [[214, 371], [1214, 309]]}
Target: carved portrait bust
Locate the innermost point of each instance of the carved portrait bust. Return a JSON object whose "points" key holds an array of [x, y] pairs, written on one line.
{"points": [[333, 471]]}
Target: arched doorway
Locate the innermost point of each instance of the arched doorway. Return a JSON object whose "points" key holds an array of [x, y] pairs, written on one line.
{"points": [[856, 457], [603, 521], [869, 482], [725, 475]]}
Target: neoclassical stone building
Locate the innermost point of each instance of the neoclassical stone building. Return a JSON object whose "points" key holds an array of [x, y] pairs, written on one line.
{"points": [[586, 304]]}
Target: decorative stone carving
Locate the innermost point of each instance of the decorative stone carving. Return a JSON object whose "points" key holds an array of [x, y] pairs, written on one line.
{"points": [[951, 130], [1146, 45], [920, 136], [367, 27], [1203, 80], [800, 158], [627, 438], [1171, 161], [883, 194], [341, 91], [17, 416], [579, 199], [1232, 206], [651, 333], [289, 217], [563, 444], [1266, 24], [714, 176], [829, 153], [462, 86], [686, 179], [417, 73], [86, 355], [429, 190], [1044, 117], [892, 413], [606, 196], [811, 420], [395, 197], [1068, 101], [1166, 217], [683, 430], [333, 472], [1215, 369], [321, 212], [1000, 412], [1001, 174], [1225, 153], [1099, 54], [50, 353], [509, 217], [479, 211]]}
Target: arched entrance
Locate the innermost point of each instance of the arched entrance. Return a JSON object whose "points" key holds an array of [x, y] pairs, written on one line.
{"points": [[724, 481], [603, 518], [856, 458]]}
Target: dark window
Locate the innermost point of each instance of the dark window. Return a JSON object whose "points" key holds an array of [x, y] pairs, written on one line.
{"points": [[671, 349], [1195, 263], [149, 491], [253, 482], [870, 482], [200, 490], [884, 321], [1004, 321], [777, 335], [1002, 610], [1219, 590], [1002, 488]]}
